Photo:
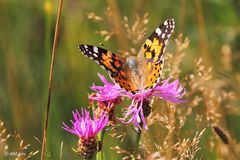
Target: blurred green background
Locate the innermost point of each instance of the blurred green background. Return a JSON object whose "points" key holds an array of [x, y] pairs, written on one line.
{"points": [[26, 37]]}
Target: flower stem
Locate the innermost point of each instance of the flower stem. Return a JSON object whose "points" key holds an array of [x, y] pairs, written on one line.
{"points": [[139, 133], [100, 154]]}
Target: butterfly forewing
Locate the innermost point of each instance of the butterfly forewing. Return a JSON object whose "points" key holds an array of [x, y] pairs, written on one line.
{"points": [[103, 57], [113, 63], [155, 45], [152, 51]]}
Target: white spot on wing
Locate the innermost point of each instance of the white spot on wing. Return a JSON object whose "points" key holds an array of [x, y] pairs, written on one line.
{"points": [[165, 23], [158, 31], [163, 35], [95, 49], [95, 55], [85, 46]]}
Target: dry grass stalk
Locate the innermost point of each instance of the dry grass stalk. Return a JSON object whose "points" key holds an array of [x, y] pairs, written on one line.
{"points": [[93, 17], [4, 136], [202, 80], [106, 18], [174, 69], [187, 148], [135, 32], [116, 133], [127, 154], [21, 152], [168, 141], [23, 148], [55, 41]]}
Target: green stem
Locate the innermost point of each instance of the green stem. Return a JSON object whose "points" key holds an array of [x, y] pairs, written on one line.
{"points": [[139, 133], [100, 154]]}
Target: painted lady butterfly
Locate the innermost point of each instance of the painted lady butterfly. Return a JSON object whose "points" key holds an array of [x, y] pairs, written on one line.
{"points": [[135, 73]]}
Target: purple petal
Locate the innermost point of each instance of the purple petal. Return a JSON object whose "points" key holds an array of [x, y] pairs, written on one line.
{"points": [[84, 126]]}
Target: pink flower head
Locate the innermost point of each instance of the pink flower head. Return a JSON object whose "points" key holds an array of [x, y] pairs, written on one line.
{"points": [[170, 91], [83, 126], [107, 93]]}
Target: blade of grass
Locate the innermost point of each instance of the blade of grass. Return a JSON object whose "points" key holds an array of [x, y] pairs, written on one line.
{"points": [[137, 141], [51, 78], [47, 43], [61, 151]]}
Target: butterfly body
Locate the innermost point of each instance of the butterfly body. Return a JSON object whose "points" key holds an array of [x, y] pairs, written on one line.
{"points": [[135, 73]]}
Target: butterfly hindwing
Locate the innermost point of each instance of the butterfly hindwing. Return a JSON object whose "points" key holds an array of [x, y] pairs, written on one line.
{"points": [[124, 80], [154, 72]]}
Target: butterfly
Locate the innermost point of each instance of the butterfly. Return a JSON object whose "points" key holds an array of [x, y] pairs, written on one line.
{"points": [[135, 73]]}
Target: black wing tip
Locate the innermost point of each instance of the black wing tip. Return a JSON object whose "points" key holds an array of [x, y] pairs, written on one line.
{"points": [[80, 46], [83, 48], [169, 23], [170, 19]]}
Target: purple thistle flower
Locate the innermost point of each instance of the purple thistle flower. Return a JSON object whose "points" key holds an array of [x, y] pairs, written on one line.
{"points": [[84, 127], [108, 93], [170, 91]]}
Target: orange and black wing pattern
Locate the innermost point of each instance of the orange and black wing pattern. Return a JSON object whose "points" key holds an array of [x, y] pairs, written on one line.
{"points": [[112, 62]]}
